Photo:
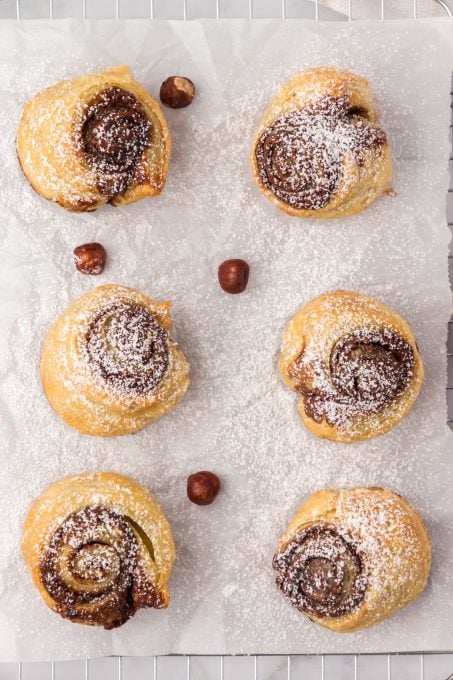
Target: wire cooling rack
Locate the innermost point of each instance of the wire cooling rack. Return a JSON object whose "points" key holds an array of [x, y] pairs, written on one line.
{"points": [[423, 666]]}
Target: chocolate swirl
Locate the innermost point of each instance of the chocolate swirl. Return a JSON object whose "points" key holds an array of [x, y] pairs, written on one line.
{"points": [[322, 572], [299, 157], [127, 348], [369, 368], [114, 135], [92, 571]]}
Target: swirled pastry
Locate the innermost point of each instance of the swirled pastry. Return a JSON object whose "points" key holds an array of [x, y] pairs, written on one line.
{"points": [[350, 559], [109, 365], [94, 140], [99, 548], [355, 364], [319, 151]]}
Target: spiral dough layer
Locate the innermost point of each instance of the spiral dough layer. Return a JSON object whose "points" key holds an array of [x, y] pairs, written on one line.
{"points": [[321, 572], [319, 151], [350, 558], [127, 348], [299, 155], [355, 364], [109, 365], [91, 569], [369, 368], [114, 135], [99, 548], [97, 139]]}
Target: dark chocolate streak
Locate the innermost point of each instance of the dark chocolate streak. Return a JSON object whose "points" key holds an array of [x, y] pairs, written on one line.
{"points": [[321, 572], [91, 569], [114, 135], [369, 369], [127, 348], [299, 156]]}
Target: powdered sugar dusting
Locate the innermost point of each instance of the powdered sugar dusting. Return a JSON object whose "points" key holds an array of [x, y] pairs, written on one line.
{"points": [[373, 554], [352, 368], [90, 567], [322, 571], [127, 349], [237, 419], [300, 156]]}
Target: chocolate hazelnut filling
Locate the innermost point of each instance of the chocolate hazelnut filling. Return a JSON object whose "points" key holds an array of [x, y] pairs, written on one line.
{"points": [[127, 348], [91, 569], [322, 572], [114, 135], [369, 368], [299, 157]]}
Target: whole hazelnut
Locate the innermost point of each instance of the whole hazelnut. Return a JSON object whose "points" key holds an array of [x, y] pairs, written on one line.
{"points": [[203, 487], [234, 276], [90, 258], [177, 92]]}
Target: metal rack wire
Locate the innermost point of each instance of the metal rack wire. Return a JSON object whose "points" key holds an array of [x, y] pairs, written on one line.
{"points": [[422, 666]]}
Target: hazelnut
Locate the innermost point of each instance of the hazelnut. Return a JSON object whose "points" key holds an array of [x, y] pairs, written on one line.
{"points": [[90, 258], [177, 92], [234, 276], [203, 487]]}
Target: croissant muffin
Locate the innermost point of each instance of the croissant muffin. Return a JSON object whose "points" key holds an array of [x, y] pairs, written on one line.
{"points": [[355, 364], [352, 558], [94, 140], [109, 365], [99, 548], [319, 151]]}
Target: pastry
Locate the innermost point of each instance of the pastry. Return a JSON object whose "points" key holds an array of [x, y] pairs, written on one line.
{"points": [[355, 364], [109, 365], [99, 548], [319, 151], [94, 140], [350, 559]]}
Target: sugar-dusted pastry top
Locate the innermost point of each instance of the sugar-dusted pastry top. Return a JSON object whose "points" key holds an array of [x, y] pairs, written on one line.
{"points": [[369, 368], [299, 156], [321, 571], [109, 365], [351, 558], [319, 150], [99, 548], [126, 348], [355, 364], [113, 135], [96, 139]]}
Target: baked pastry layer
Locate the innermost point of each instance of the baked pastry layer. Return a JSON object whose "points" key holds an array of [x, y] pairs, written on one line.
{"points": [[355, 364], [352, 558], [98, 548], [96, 139], [319, 151], [109, 365]]}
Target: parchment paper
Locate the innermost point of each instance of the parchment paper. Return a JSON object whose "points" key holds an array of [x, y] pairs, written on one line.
{"points": [[237, 419]]}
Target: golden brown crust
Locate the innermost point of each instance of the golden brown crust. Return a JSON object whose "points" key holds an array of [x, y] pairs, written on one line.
{"points": [[305, 364], [388, 534], [74, 363], [90, 592], [50, 151], [361, 177]]}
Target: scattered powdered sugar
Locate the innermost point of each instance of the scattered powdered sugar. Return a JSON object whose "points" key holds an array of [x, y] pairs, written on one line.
{"points": [[300, 155], [91, 568], [237, 418], [322, 571], [365, 371], [366, 557], [113, 134], [127, 349]]}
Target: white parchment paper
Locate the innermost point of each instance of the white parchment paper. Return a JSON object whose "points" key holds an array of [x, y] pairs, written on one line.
{"points": [[237, 419]]}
